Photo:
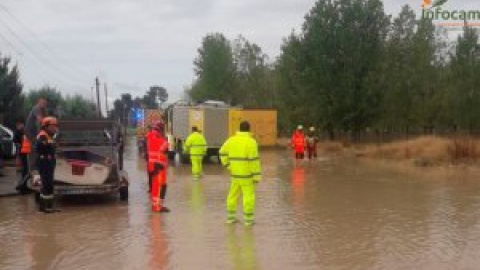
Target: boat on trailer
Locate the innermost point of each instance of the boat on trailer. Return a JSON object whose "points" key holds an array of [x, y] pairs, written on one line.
{"points": [[88, 159]]}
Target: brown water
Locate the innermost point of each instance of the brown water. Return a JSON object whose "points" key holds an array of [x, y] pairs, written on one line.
{"points": [[326, 214]]}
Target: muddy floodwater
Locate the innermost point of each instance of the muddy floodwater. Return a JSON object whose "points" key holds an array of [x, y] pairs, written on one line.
{"points": [[331, 213]]}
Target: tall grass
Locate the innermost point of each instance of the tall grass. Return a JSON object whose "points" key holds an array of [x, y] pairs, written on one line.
{"points": [[463, 149]]}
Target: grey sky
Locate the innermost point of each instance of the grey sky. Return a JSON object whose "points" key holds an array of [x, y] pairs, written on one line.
{"points": [[133, 44]]}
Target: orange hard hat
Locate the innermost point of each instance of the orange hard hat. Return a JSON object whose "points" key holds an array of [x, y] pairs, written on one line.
{"points": [[49, 121]]}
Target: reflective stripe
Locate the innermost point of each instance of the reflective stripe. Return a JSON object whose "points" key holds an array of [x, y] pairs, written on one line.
{"points": [[155, 156], [198, 145], [231, 215], [242, 176], [196, 155], [26, 146], [256, 174], [46, 197], [223, 155], [238, 159], [243, 159]]}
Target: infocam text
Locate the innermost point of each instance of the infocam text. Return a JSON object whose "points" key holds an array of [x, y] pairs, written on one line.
{"points": [[441, 14]]}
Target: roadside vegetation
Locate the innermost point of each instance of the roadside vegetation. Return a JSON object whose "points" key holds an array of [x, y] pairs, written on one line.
{"points": [[351, 69]]}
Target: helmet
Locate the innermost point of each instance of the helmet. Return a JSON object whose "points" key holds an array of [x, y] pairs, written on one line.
{"points": [[47, 121], [312, 129], [300, 127], [158, 125]]}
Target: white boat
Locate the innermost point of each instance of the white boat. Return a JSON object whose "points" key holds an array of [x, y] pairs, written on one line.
{"points": [[82, 167]]}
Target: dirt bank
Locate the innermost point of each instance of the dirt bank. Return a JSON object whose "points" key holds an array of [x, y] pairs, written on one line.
{"points": [[423, 151]]}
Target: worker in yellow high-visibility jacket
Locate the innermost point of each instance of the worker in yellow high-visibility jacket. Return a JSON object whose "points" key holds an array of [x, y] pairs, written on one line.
{"points": [[239, 154], [196, 147]]}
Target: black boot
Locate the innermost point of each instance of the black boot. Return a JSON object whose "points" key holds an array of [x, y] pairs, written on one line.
{"points": [[165, 210], [48, 207], [40, 204]]}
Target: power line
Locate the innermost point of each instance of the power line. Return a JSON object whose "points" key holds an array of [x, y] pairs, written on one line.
{"points": [[69, 79], [11, 45], [48, 48], [20, 53], [36, 54]]}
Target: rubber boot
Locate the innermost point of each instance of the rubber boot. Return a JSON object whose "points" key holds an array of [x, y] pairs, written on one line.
{"points": [[163, 193], [49, 207], [231, 218], [40, 204], [22, 186], [248, 219], [249, 223], [164, 209]]}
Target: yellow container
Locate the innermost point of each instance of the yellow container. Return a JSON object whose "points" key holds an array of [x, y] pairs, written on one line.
{"points": [[263, 124], [235, 117]]}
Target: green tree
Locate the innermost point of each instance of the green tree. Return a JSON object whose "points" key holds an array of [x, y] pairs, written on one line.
{"points": [[215, 70], [11, 100], [465, 65], [293, 102], [77, 107], [127, 100], [156, 96], [253, 86], [394, 81], [53, 96], [342, 41]]}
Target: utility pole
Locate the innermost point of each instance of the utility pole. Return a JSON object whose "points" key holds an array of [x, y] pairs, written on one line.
{"points": [[99, 109], [106, 97]]}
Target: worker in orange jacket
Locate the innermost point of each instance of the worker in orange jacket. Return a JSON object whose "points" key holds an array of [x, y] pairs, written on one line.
{"points": [[24, 148], [148, 135], [157, 147], [312, 141], [45, 149], [298, 143]]}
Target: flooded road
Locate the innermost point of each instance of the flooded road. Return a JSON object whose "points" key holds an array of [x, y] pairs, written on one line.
{"points": [[325, 214]]}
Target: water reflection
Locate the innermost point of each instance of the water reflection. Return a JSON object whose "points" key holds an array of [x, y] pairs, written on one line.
{"points": [[298, 185], [41, 243], [197, 209], [159, 244], [241, 246]]}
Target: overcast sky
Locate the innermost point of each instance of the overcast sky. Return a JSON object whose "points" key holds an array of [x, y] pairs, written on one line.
{"points": [[132, 44]]}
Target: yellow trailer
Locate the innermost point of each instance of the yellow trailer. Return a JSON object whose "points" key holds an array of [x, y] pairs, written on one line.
{"points": [[263, 123]]}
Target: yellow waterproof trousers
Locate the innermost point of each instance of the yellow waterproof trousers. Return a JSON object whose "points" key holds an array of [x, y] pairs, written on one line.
{"points": [[247, 188], [197, 169]]}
